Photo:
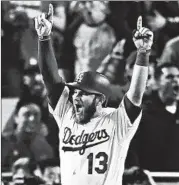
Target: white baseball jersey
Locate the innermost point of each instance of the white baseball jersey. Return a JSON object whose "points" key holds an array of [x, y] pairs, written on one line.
{"points": [[94, 153]]}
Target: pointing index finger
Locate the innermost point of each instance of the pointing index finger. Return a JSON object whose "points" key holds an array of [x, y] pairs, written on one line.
{"points": [[139, 22]]}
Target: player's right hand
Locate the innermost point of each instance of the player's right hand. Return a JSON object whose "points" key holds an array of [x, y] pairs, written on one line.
{"points": [[44, 22]]}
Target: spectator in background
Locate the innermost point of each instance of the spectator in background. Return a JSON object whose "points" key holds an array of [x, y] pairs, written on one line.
{"points": [[170, 53], [87, 37], [162, 17], [50, 171], [113, 66], [165, 17], [25, 139], [33, 84], [32, 90], [156, 142], [23, 172], [137, 176], [94, 38], [122, 18], [14, 23]]}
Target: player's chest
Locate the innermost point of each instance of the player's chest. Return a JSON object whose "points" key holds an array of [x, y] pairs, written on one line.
{"points": [[79, 139]]}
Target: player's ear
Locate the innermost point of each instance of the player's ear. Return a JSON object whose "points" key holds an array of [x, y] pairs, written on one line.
{"points": [[100, 99], [103, 98]]}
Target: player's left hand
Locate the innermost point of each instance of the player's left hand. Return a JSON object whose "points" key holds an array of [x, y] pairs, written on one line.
{"points": [[143, 37]]}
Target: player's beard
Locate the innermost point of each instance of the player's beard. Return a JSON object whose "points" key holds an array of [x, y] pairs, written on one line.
{"points": [[86, 114]]}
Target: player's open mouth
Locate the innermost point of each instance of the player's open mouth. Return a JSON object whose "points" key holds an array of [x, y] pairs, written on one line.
{"points": [[78, 108], [176, 89]]}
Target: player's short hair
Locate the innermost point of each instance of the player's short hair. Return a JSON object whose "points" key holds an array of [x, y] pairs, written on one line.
{"points": [[158, 70]]}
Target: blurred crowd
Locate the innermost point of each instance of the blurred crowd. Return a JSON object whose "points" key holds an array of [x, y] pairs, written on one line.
{"points": [[97, 36]]}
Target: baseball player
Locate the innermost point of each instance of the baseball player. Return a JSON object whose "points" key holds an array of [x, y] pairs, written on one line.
{"points": [[93, 140]]}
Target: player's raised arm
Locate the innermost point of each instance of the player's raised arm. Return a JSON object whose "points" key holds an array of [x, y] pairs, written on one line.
{"points": [[143, 40], [47, 61]]}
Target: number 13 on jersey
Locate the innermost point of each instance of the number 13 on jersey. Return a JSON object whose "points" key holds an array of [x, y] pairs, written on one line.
{"points": [[103, 163]]}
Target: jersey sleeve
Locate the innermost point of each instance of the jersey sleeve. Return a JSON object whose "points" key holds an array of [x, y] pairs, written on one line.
{"points": [[124, 127], [62, 107]]}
